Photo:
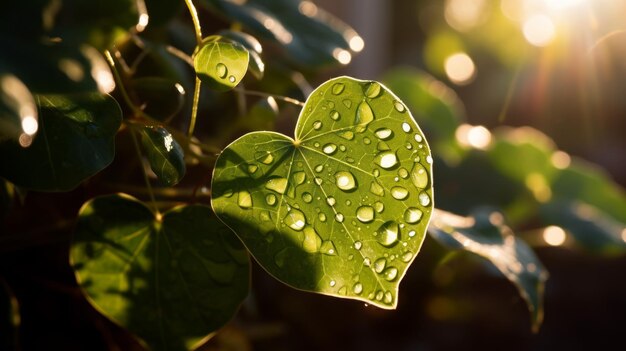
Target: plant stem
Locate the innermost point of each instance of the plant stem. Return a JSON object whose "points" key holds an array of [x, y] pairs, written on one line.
{"points": [[145, 175], [194, 107], [277, 97], [196, 21]]}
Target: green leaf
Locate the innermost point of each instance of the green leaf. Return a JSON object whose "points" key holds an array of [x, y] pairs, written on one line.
{"points": [[75, 140], [486, 235], [17, 108], [161, 98], [312, 36], [256, 66], [165, 155], [342, 210], [437, 107], [222, 65], [171, 281]]}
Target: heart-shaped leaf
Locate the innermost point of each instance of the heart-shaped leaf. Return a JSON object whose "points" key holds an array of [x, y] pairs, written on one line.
{"points": [[221, 64], [341, 210], [486, 235], [165, 155], [170, 280], [75, 140]]}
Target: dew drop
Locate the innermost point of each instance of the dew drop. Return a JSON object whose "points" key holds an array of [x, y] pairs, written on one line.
{"points": [[429, 159], [419, 176], [317, 125], [221, 70], [265, 216], [407, 256], [252, 168], [379, 207], [390, 273], [376, 173], [264, 157], [424, 199], [367, 262], [328, 248], [418, 138], [377, 189], [373, 90], [364, 116], [318, 181], [278, 185], [332, 283], [345, 181], [412, 233], [347, 103], [298, 177], [346, 134], [399, 193], [329, 149], [338, 88], [379, 295], [406, 127], [388, 299], [399, 106], [357, 288], [383, 133], [319, 168], [330, 201], [307, 197], [244, 199], [402, 172], [339, 217], [388, 233], [311, 242], [367, 141], [295, 219], [342, 148], [365, 214], [387, 159], [334, 115], [380, 264], [270, 199], [322, 217], [228, 193], [412, 215], [358, 245]]}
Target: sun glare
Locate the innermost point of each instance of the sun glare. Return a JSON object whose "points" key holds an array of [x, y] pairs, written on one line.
{"points": [[460, 68], [539, 30]]}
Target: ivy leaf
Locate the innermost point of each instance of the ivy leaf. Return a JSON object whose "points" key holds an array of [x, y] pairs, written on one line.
{"points": [[486, 235], [171, 281], [222, 65], [342, 210], [165, 155], [75, 140], [312, 36]]}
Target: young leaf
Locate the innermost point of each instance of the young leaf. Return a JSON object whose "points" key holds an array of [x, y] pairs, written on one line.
{"points": [[222, 65], [75, 140], [486, 235], [165, 155], [171, 281], [310, 35], [342, 210], [256, 66]]}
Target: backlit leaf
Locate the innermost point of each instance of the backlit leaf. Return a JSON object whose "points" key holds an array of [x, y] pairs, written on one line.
{"points": [[220, 64], [341, 210], [171, 281], [486, 235]]}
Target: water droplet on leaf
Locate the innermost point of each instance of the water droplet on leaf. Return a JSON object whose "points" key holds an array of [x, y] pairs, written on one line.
{"points": [[278, 185], [399, 193], [345, 181], [412, 215], [388, 233], [365, 214]]}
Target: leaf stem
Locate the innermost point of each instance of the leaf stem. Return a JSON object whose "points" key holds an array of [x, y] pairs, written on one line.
{"points": [[196, 21], [194, 107], [145, 174], [277, 97]]}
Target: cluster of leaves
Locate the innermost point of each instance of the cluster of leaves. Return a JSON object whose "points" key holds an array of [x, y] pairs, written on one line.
{"points": [[341, 209]]}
